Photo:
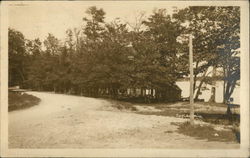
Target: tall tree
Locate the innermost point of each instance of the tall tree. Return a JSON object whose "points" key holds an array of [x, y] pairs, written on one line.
{"points": [[211, 29], [228, 44], [17, 58], [51, 61], [156, 52], [162, 32], [36, 73]]}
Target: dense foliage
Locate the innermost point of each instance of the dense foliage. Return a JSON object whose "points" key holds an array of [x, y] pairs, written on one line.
{"points": [[101, 58]]}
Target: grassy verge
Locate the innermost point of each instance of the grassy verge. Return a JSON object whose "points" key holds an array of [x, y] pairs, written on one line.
{"points": [[216, 117], [208, 104], [182, 109], [211, 115], [213, 118], [208, 132], [121, 105], [19, 101]]}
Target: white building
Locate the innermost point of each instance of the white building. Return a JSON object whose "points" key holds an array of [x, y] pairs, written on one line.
{"points": [[206, 92]]}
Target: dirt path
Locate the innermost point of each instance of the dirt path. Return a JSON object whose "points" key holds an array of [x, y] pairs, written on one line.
{"points": [[63, 121]]}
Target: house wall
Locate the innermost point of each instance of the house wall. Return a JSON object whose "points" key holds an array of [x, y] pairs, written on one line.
{"points": [[206, 91]]}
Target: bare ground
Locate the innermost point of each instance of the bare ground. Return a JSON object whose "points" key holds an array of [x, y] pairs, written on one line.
{"points": [[64, 121]]}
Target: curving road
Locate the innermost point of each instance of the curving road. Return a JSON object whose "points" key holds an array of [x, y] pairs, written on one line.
{"points": [[64, 121]]}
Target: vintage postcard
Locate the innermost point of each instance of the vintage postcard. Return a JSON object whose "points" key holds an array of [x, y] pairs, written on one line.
{"points": [[124, 79]]}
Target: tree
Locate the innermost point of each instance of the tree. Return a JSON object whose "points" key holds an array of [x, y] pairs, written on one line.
{"points": [[228, 44], [51, 61], [35, 71], [17, 58], [155, 53], [104, 54], [196, 22], [162, 32], [211, 29]]}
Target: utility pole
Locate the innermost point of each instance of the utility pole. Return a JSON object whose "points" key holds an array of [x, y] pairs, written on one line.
{"points": [[191, 80]]}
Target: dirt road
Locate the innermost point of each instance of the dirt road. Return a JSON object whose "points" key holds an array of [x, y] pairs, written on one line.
{"points": [[64, 121]]}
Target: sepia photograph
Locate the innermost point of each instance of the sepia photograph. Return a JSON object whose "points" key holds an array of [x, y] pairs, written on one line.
{"points": [[151, 76]]}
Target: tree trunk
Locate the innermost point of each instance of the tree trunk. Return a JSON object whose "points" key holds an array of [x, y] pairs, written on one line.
{"points": [[198, 90], [224, 86], [54, 89], [200, 85], [212, 98], [229, 112], [213, 89]]}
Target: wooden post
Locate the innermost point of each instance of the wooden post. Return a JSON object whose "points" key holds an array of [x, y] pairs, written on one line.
{"points": [[191, 80]]}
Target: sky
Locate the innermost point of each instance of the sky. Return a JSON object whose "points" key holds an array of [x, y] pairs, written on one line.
{"points": [[37, 19]]}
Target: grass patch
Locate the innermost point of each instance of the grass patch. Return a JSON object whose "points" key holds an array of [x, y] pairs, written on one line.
{"points": [[224, 119], [214, 118], [171, 113], [18, 101], [121, 105], [208, 132], [207, 104]]}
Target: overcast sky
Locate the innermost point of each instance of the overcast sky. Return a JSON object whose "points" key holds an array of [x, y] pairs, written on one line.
{"points": [[36, 19]]}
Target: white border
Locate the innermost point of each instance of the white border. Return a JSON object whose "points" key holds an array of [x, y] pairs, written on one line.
{"points": [[4, 78]]}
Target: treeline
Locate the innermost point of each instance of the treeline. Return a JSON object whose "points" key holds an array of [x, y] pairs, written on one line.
{"points": [[101, 58]]}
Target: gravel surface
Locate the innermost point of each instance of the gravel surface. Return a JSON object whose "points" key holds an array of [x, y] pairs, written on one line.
{"points": [[65, 121]]}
